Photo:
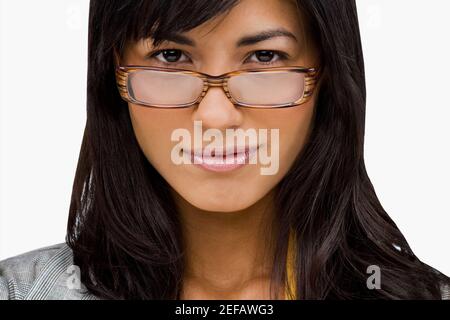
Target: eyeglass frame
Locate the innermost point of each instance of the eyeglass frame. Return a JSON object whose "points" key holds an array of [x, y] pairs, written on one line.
{"points": [[123, 72]]}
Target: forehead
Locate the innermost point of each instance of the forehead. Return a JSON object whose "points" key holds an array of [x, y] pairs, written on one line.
{"points": [[248, 17]]}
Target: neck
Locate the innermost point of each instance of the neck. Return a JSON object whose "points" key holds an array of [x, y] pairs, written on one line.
{"points": [[227, 249]]}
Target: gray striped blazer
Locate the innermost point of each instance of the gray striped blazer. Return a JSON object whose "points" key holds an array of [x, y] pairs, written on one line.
{"points": [[48, 274]]}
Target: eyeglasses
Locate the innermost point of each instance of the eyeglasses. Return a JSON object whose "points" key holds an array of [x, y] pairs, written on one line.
{"points": [[276, 87]]}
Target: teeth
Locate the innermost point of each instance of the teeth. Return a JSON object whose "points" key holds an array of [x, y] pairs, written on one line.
{"points": [[230, 159], [225, 159]]}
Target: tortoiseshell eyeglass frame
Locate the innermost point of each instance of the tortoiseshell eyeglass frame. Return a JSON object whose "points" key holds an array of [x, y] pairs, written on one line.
{"points": [[311, 77]]}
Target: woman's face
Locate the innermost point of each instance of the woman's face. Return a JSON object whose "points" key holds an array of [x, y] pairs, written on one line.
{"points": [[215, 52]]}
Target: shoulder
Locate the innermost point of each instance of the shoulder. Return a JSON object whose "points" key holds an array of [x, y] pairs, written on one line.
{"points": [[445, 290], [44, 273], [444, 283]]}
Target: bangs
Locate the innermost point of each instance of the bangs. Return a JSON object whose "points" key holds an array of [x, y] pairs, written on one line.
{"points": [[157, 19]]}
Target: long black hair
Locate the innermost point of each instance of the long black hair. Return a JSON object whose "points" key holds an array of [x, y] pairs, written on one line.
{"points": [[123, 226]]}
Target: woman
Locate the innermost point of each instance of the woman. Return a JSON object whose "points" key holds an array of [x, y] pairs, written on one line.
{"points": [[147, 223]]}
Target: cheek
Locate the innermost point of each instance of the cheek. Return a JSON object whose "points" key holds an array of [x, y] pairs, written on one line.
{"points": [[295, 125], [153, 129]]}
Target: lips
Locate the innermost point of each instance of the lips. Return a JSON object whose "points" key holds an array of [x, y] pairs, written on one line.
{"points": [[225, 152], [230, 159]]}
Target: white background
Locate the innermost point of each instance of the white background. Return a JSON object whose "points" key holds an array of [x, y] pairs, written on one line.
{"points": [[43, 62]]}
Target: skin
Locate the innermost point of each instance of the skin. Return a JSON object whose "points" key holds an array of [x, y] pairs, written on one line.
{"points": [[227, 217]]}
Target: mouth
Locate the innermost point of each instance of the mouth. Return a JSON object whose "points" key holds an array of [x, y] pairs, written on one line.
{"points": [[224, 161]]}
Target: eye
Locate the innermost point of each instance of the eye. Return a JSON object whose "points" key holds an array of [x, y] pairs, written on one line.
{"points": [[267, 56], [169, 56]]}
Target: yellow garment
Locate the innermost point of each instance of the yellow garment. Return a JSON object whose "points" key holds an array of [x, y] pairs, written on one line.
{"points": [[290, 269]]}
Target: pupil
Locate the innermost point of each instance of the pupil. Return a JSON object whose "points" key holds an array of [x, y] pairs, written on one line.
{"points": [[264, 56], [172, 55]]}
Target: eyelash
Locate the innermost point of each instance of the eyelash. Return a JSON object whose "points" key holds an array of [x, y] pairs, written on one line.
{"points": [[281, 56]]}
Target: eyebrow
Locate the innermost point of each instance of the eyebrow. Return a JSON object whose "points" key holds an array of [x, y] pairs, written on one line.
{"points": [[244, 41], [265, 35]]}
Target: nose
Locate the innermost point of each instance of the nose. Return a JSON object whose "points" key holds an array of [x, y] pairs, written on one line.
{"points": [[215, 110]]}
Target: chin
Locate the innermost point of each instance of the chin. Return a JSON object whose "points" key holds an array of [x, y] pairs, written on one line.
{"points": [[214, 203]]}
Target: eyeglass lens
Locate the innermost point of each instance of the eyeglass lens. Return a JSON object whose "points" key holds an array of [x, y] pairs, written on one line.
{"points": [[155, 87]]}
